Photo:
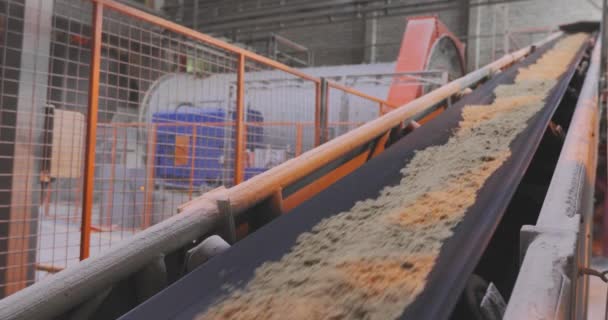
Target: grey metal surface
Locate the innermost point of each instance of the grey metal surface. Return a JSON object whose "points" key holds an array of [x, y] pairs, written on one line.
{"points": [[548, 286]]}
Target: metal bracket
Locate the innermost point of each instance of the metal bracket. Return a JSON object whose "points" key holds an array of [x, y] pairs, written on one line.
{"points": [[600, 274], [226, 213], [323, 111], [529, 233], [592, 272], [547, 273]]}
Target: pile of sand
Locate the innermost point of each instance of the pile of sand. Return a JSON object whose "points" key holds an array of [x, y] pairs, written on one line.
{"points": [[373, 260]]}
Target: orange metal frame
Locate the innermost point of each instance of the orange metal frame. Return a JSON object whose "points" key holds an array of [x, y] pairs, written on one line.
{"points": [[89, 171], [239, 171], [243, 56]]}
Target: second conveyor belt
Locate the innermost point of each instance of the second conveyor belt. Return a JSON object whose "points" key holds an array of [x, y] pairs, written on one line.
{"points": [[459, 254]]}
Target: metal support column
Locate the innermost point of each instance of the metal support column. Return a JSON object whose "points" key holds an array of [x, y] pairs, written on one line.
{"points": [[323, 111], [91, 140], [318, 101], [24, 64], [370, 39], [239, 171]]}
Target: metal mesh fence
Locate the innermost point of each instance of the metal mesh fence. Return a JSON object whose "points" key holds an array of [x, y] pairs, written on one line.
{"points": [[43, 60], [178, 114], [516, 39], [346, 111], [280, 110], [348, 108], [167, 134]]}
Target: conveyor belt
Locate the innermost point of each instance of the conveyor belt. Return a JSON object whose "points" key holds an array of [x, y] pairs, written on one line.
{"points": [[459, 255]]}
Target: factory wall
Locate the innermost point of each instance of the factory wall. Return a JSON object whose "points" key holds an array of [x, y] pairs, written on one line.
{"points": [[390, 32], [535, 14], [351, 41], [346, 43], [340, 43], [333, 40]]}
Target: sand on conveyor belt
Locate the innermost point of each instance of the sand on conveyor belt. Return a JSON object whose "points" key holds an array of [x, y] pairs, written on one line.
{"points": [[373, 260]]}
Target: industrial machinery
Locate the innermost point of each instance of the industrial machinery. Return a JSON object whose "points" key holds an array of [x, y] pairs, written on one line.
{"points": [[544, 186], [430, 56], [173, 144]]}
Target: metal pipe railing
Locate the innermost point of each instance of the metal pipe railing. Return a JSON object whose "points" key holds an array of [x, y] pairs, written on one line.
{"points": [[67, 289]]}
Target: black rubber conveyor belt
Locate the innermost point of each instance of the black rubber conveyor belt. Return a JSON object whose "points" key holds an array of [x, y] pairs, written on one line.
{"points": [[459, 255]]}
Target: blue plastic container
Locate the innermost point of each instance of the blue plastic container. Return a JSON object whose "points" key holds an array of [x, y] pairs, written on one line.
{"points": [[212, 142]]}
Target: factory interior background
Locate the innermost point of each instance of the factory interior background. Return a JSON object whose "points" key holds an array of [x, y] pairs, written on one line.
{"points": [[121, 121]]}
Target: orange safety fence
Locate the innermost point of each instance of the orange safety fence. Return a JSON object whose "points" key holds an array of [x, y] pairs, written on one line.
{"points": [[111, 118]]}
